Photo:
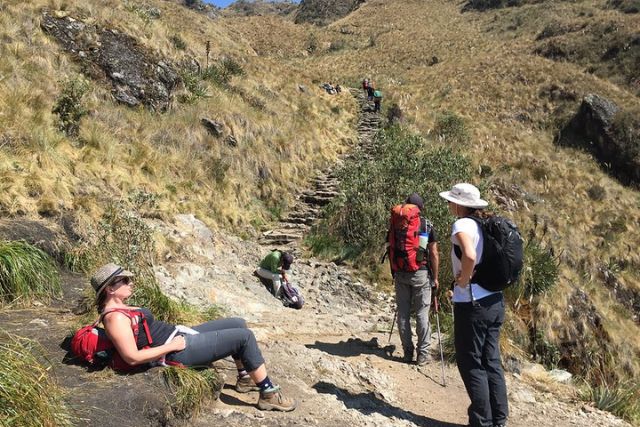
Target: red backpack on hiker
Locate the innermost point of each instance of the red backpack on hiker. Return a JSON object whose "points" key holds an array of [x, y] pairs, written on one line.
{"points": [[404, 233], [91, 343]]}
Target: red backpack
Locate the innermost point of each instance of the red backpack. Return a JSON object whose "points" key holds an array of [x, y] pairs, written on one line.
{"points": [[91, 343], [403, 238]]}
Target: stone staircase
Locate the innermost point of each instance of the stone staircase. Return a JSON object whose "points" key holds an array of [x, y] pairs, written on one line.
{"points": [[325, 186]]}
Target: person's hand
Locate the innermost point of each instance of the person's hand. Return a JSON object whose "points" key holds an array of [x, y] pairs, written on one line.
{"points": [[460, 282], [178, 343], [450, 294], [436, 284]]}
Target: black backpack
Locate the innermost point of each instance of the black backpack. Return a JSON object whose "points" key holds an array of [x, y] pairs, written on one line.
{"points": [[502, 254]]}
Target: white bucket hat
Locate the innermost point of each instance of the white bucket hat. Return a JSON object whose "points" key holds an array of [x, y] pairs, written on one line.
{"points": [[465, 195]]}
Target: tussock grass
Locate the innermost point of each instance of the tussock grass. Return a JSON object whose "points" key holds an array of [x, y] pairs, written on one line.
{"points": [[29, 395], [191, 388], [120, 150], [26, 273], [621, 399]]}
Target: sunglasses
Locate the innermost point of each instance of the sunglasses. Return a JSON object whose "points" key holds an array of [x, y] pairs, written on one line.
{"points": [[124, 280]]}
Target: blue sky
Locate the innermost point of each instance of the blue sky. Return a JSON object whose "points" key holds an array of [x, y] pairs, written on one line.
{"points": [[224, 3]]}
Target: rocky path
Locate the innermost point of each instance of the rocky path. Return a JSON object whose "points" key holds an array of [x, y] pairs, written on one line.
{"points": [[330, 355], [325, 186]]}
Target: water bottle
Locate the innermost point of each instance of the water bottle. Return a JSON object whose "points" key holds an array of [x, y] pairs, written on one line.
{"points": [[423, 241]]}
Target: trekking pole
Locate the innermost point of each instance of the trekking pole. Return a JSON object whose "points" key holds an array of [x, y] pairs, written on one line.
{"points": [[395, 315], [436, 308]]}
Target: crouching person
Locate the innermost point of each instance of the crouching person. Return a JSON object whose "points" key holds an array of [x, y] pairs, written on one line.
{"points": [[273, 269], [159, 342]]}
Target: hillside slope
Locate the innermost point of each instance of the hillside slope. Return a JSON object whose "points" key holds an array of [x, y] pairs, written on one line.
{"points": [[275, 128], [431, 58]]}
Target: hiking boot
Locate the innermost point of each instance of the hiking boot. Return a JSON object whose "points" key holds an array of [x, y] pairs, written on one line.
{"points": [[424, 358], [245, 385], [273, 400], [408, 357]]}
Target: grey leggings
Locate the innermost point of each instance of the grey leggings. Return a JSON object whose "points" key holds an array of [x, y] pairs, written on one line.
{"points": [[219, 339]]}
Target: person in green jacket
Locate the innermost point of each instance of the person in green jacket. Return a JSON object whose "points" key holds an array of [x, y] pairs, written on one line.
{"points": [[273, 268]]}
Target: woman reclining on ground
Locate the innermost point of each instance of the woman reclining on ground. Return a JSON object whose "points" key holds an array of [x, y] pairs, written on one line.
{"points": [[213, 341]]}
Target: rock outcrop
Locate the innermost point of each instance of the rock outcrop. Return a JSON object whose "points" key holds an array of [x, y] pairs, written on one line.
{"points": [[610, 134], [324, 12], [137, 75]]}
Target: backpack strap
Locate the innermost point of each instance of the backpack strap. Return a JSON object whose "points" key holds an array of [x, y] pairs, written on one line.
{"points": [[135, 327]]}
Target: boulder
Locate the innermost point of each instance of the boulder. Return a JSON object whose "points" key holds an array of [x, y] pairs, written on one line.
{"points": [[136, 74], [610, 134], [323, 12], [214, 127]]}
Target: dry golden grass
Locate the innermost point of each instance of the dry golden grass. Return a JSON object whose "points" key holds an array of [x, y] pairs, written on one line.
{"points": [[488, 75], [121, 150]]}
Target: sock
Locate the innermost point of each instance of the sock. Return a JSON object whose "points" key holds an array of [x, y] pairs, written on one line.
{"points": [[265, 384], [242, 373]]}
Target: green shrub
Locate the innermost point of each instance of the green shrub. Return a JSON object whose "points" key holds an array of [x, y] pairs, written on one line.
{"points": [[28, 395], [191, 389], [26, 272], [178, 42], [312, 44], [451, 128], [402, 164], [69, 106], [621, 399], [540, 271], [194, 86], [123, 237], [221, 74]]}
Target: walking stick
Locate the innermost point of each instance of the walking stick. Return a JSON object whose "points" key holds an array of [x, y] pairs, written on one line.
{"points": [[436, 308], [395, 316]]}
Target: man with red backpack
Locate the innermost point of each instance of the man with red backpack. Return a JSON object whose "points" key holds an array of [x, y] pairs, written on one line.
{"points": [[414, 259]]}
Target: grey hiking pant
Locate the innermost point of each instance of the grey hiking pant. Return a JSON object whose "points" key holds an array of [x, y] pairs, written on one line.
{"points": [[413, 290], [275, 278], [477, 340], [219, 339]]}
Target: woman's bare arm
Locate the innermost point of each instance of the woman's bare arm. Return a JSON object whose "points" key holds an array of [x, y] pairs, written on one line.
{"points": [[118, 328], [468, 260]]}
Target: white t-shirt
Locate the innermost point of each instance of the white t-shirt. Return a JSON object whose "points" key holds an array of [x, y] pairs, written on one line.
{"points": [[471, 229]]}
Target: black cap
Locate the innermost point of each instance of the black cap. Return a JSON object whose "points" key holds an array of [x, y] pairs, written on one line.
{"points": [[287, 260], [415, 199]]}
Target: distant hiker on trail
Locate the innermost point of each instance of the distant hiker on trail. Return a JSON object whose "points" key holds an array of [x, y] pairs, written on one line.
{"points": [[414, 258], [329, 88], [159, 342], [478, 311], [273, 273], [338, 88], [377, 99], [365, 86], [370, 90]]}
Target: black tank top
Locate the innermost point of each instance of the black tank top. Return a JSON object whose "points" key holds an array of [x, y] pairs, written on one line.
{"points": [[158, 329]]}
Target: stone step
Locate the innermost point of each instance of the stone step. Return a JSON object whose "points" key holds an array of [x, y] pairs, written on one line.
{"points": [[320, 193], [317, 200], [281, 237]]}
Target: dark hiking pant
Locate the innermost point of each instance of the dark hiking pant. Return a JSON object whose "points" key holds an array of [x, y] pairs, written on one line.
{"points": [[219, 339], [477, 341]]}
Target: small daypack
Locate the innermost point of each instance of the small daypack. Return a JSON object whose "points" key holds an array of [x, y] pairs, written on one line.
{"points": [[502, 254], [377, 94], [403, 238], [91, 343], [291, 296]]}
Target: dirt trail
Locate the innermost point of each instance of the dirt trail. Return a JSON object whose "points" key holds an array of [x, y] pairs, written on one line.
{"points": [[329, 355]]}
